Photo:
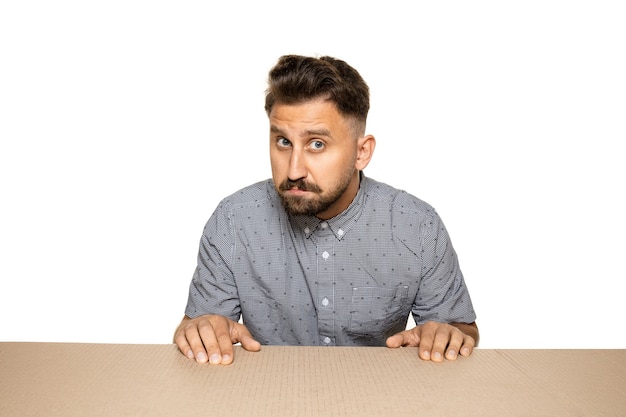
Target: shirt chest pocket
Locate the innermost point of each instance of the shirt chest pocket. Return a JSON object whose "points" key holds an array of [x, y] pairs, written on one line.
{"points": [[379, 311]]}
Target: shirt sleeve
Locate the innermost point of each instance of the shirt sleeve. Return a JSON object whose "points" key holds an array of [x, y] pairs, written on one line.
{"points": [[212, 289], [442, 295]]}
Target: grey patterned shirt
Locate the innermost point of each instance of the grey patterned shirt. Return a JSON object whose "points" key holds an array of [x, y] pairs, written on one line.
{"points": [[350, 280]]}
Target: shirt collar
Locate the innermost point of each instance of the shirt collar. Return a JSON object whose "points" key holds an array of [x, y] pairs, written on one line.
{"points": [[341, 224]]}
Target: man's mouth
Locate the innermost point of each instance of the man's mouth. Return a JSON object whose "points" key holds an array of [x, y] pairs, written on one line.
{"points": [[298, 187], [296, 190]]}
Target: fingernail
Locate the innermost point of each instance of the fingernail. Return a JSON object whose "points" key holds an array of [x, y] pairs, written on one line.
{"points": [[437, 356], [190, 354], [215, 358], [465, 351], [451, 354], [225, 358], [201, 357]]}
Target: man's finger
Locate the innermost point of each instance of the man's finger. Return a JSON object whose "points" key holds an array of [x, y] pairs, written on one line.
{"points": [[394, 341], [183, 346], [455, 344], [249, 343], [206, 348], [468, 345], [440, 342], [404, 338]]}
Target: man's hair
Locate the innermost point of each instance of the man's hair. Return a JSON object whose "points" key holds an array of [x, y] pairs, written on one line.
{"points": [[296, 79]]}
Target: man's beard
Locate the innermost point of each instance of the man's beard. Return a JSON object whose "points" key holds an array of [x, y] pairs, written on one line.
{"points": [[299, 205]]}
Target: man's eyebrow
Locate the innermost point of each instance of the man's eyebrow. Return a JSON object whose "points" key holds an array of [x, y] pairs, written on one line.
{"points": [[307, 132], [275, 129], [317, 132]]}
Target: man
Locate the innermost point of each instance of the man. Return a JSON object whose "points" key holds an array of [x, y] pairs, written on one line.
{"points": [[321, 254]]}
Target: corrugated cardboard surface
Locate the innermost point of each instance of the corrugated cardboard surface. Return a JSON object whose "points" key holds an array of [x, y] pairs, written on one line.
{"points": [[58, 379]]}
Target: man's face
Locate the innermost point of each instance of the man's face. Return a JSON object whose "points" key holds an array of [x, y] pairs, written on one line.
{"points": [[313, 151]]}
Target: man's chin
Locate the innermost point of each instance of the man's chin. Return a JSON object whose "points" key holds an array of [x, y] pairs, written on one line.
{"points": [[298, 206]]}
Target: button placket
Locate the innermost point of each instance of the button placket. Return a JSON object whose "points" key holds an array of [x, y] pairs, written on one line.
{"points": [[326, 278]]}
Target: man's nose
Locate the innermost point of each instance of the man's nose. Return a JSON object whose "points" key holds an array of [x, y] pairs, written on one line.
{"points": [[297, 166]]}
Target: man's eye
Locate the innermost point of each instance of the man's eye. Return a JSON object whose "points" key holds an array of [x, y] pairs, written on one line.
{"points": [[317, 144], [283, 142]]}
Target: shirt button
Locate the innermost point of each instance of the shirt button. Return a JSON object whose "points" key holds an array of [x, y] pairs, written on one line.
{"points": [[327, 340], [325, 302], [325, 255], [323, 225], [306, 230], [340, 232]]}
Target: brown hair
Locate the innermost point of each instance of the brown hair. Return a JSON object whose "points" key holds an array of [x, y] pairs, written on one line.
{"points": [[296, 79]]}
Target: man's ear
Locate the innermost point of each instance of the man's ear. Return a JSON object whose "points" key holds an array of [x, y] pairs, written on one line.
{"points": [[365, 150]]}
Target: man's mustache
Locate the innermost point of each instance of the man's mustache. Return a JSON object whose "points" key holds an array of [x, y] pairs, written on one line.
{"points": [[300, 185]]}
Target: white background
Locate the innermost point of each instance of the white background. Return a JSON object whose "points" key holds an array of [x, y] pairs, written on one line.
{"points": [[123, 123]]}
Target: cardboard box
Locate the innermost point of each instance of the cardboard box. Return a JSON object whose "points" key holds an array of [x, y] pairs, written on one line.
{"points": [[58, 379]]}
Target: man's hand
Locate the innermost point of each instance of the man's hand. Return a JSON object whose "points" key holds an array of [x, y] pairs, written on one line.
{"points": [[211, 338], [438, 340]]}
